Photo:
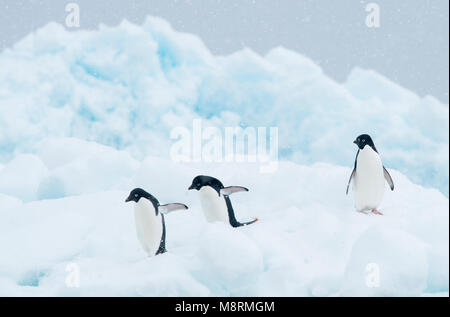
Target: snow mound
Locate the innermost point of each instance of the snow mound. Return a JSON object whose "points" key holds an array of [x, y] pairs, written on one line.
{"points": [[309, 240], [129, 86], [87, 116]]}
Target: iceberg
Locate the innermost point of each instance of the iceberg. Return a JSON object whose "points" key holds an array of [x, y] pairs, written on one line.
{"points": [[87, 116], [128, 86]]}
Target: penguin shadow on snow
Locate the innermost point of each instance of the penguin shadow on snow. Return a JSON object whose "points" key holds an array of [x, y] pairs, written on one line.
{"points": [[368, 177]]}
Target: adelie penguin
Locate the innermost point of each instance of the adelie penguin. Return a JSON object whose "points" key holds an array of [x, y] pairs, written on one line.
{"points": [[149, 218], [215, 200], [368, 176]]}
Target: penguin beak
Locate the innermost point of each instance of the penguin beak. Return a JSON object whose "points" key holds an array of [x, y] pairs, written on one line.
{"points": [[128, 199], [191, 187], [356, 142]]}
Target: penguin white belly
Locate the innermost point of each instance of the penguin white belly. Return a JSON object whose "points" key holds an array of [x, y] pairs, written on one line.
{"points": [[149, 227], [214, 206], [369, 180]]}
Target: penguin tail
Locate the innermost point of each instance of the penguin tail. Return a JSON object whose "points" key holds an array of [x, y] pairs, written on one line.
{"points": [[161, 250]]}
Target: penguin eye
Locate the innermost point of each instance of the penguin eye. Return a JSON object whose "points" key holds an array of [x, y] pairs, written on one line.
{"points": [[364, 140], [135, 195]]}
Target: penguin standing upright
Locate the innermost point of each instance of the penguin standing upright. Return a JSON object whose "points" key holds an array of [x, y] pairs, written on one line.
{"points": [[149, 219], [368, 176], [215, 200]]}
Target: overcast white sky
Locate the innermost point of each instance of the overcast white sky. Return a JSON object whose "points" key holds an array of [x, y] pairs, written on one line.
{"points": [[411, 45]]}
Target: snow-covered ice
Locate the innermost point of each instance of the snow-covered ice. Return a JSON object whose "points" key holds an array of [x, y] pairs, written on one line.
{"points": [[86, 117], [128, 86], [309, 240]]}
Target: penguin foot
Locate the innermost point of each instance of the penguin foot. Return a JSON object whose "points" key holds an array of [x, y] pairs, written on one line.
{"points": [[250, 222], [161, 251], [376, 212], [236, 223]]}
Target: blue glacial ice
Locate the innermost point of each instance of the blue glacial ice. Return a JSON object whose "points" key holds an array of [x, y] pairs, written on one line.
{"points": [[87, 115], [128, 86]]}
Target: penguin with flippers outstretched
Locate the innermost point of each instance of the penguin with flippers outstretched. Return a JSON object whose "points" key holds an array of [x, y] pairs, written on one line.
{"points": [[368, 176], [149, 219], [215, 200]]}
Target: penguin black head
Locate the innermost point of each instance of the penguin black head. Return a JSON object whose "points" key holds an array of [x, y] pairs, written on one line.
{"points": [[363, 140], [137, 194], [202, 180]]}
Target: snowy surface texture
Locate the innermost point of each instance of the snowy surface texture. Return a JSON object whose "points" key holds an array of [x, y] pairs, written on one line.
{"points": [[86, 117], [128, 86]]}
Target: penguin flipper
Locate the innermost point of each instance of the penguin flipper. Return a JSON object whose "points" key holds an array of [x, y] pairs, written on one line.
{"points": [[227, 191], [232, 218], [349, 181], [165, 209], [353, 172], [162, 243], [388, 178]]}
